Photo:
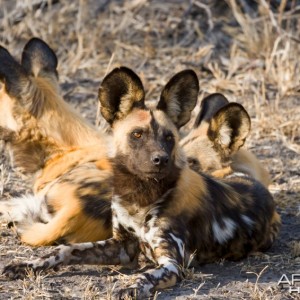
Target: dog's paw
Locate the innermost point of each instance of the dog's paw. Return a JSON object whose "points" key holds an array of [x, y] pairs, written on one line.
{"points": [[127, 294], [132, 293], [16, 271]]}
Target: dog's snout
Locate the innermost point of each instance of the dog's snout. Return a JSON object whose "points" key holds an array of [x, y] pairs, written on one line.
{"points": [[160, 159]]}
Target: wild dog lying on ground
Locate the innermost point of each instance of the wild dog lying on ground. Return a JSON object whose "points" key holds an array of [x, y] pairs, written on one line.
{"points": [[48, 139], [66, 156], [205, 152], [159, 205]]}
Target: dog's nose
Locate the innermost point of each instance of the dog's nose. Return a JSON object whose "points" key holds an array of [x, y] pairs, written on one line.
{"points": [[159, 159]]}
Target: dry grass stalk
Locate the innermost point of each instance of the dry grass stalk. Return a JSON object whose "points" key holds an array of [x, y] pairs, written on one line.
{"points": [[296, 249]]}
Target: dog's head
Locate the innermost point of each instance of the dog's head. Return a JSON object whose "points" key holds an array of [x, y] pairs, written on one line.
{"points": [[146, 140], [220, 129]]}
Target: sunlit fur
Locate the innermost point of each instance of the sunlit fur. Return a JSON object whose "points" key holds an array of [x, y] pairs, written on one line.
{"points": [[64, 154], [48, 138], [203, 152], [160, 206]]}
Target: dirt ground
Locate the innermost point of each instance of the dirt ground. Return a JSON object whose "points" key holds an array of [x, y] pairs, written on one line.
{"points": [[248, 52]]}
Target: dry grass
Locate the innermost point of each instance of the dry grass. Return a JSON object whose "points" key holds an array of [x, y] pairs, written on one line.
{"points": [[253, 58], [296, 249], [257, 293]]}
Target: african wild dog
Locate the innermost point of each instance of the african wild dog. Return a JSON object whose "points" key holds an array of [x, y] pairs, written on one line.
{"points": [[205, 152], [159, 203], [57, 145], [66, 156], [49, 140]]}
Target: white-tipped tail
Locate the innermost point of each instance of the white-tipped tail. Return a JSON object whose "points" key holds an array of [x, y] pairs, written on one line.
{"points": [[25, 210]]}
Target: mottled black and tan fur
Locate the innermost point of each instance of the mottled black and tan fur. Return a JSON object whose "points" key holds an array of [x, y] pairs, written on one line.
{"points": [[66, 156], [214, 144], [159, 205], [54, 144]]}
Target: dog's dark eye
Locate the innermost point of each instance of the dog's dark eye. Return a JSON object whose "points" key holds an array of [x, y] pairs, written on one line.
{"points": [[169, 137], [137, 134], [193, 163]]}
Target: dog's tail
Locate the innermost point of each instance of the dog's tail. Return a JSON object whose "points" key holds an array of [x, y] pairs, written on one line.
{"points": [[24, 211]]}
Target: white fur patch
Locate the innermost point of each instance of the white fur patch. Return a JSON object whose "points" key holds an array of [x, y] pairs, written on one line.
{"points": [[150, 235], [146, 287], [168, 266], [167, 263], [225, 135], [223, 234], [237, 174], [179, 242], [25, 210], [247, 220], [7, 119], [124, 218]]}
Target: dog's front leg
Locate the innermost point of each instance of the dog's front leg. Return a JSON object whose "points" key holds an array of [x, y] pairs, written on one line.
{"points": [[108, 252], [168, 252]]}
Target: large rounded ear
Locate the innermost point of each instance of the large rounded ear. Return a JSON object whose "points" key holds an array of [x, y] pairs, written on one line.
{"points": [[120, 91], [38, 59], [12, 74], [179, 97], [229, 127], [209, 107]]}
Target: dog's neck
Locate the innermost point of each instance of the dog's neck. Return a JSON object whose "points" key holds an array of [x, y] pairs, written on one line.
{"points": [[31, 149], [142, 192]]}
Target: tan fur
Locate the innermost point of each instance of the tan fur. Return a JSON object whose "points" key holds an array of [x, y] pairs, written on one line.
{"points": [[245, 161], [137, 116], [70, 222], [197, 145], [7, 120], [190, 186], [65, 155], [222, 172], [61, 224], [59, 120], [103, 164], [59, 183], [53, 116], [59, 164], [47, 120]]}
